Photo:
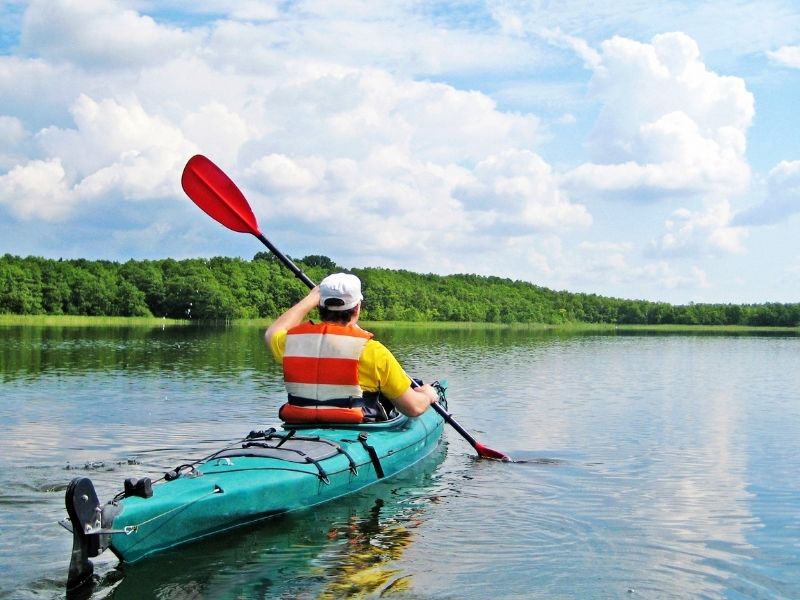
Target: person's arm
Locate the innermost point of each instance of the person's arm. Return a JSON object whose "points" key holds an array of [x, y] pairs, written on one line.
{"points": [[415, 401], [392, 381], [294, 315]]}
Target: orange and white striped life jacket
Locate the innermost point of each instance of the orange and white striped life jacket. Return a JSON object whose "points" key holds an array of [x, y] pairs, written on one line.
{"points": [[320, 363]]}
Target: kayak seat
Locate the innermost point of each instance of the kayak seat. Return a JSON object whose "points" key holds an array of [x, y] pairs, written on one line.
{"points": [[328, 415], [372, 407]]}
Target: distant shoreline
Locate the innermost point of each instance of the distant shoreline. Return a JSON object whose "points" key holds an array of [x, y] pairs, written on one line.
{"points": [[88, 321], [577, 327], [220, 289]]}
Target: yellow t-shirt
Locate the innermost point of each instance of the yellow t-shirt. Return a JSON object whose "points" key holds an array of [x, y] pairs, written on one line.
{"points": [[378, 369]]}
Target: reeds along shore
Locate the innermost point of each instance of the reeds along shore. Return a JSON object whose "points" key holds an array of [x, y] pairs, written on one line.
{"points": [[571, 327]]}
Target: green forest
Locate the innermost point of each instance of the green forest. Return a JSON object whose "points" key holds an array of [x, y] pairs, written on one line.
{"points": [[224, 288]]}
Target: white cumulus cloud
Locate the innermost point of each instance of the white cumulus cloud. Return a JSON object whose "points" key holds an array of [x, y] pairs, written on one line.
{"points": [[515, 192], [109, 131], [98, 33], [668, 125], [706, 232], [782, 199], [115, 150], [37, 190]]}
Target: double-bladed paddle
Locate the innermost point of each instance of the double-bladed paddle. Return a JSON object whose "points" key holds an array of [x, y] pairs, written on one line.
{"points": [[214, 192]]}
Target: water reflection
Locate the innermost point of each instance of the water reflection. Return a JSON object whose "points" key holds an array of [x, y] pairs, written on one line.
{"points": [[30, 351]]}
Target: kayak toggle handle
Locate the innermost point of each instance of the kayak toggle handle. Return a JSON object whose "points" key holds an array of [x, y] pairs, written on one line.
{"points": [[177, 472]]}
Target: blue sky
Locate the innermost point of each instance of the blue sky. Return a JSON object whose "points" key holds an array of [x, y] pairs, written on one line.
{"points": [[626, 148]]}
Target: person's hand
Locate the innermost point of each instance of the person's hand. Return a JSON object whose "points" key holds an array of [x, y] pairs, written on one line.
{"points": [[430, 392]]}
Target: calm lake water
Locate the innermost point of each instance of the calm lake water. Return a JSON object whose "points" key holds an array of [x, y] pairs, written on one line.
{"points": [[650, 466]]}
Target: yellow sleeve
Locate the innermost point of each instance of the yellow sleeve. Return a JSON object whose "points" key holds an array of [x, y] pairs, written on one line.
{"points": [[277, 345], [378, 369]]}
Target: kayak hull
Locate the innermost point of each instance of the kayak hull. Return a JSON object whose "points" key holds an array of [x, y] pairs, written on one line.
{"points": [[234, 489]]}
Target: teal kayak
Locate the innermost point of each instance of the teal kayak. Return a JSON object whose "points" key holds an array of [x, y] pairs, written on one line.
{"points": [[265, 474]]}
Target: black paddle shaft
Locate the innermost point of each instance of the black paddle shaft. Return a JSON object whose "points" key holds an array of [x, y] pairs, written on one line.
{"points": [[449, 418], [286, 261]]}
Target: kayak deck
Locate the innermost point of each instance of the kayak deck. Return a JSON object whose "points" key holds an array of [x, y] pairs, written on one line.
{"points": [[260, 480]]}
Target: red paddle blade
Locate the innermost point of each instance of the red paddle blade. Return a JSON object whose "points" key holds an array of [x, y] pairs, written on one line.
{"points": [[485, 452], [214, 192]]}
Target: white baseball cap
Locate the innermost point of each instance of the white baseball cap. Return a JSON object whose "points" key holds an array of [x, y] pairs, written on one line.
{"points": [[340, 291]]}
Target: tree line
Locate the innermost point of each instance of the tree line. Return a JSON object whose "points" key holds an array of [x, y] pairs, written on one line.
{"points": [[223, 288]]}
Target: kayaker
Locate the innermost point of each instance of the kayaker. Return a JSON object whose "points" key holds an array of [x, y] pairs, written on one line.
{"points": [[335, 364]]}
